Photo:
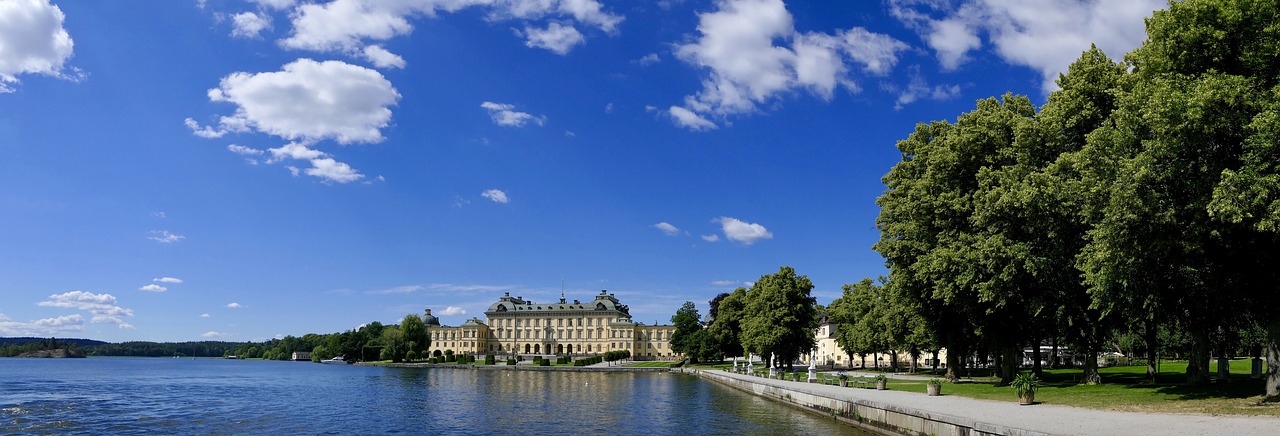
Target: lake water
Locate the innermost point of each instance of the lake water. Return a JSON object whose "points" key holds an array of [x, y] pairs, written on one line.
{"points": [[166, 396]]}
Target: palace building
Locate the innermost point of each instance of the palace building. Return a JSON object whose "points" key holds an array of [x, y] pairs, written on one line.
{"points": [[560, 328]]}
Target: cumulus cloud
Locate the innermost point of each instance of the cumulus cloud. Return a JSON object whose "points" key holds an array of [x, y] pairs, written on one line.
{"points": [[496, 196], [667, 228], [205, 315], [173, 280], [741, 231], [557, 38], [153, 288], [306, 102], [247, 151], [351, 25], [41, 327], [1045, 35], [453, 311], [649, 59], [753, 54], [102, 306], [249, 24], [233, 305], [164, 236], [33, 41], [382, 58], [711, 238], [506, 115], [213, 334], [689, 120], [723, 283]]}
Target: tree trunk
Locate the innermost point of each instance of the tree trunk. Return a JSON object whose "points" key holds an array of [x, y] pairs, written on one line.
{"points": [[1272, 378], [1198, 361], [1091, 376], [893, 360], [915, 357], [1036, 366], [875, 359], [1010, 361], [1151, 338], [935, 361], [1224, 365], [953, 361], [1053, 354]]}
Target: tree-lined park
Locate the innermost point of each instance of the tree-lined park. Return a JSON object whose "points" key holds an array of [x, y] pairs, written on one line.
{"points": [[1137, 210]]}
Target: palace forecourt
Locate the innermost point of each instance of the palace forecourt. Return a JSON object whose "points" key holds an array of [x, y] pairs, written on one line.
{"points": [[560, 328]]}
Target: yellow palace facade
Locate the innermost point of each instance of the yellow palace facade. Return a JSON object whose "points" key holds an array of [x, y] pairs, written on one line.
{"points": [[559, 328]]}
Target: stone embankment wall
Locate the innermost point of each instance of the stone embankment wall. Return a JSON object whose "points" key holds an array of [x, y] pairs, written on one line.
{"points": [[878, 417]]}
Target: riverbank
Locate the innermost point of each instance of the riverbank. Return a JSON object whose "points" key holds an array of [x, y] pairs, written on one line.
{"points": [[901, 412]]}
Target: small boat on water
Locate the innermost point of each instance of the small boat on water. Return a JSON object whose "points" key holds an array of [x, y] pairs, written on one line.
{"points": [[232, 357], [336, 360]]}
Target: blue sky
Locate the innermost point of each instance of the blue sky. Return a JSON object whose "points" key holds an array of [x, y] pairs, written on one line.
{"points": [[242, 170]]}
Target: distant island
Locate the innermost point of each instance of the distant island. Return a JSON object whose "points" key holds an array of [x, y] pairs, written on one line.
{"points": [[57, 353]]}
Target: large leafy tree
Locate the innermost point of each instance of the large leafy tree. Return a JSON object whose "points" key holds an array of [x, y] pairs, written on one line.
{"points": [[780, 316], [856, 314], [725, 328], [1172, 239], [415, 332], [688, 338]]}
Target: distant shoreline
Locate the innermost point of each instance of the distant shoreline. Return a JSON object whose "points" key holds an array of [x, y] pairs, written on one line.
{"points": [[519, 367]]}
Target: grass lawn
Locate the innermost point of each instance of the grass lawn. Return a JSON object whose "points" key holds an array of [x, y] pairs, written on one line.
{"points": [[1126, 388], [650, 364]]}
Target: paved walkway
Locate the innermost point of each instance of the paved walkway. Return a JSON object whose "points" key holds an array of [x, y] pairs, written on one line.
{"points": [[1045, 418]]}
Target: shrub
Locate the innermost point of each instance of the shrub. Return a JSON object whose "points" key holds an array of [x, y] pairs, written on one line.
{"points": [[511, 361], [1025, 384], [544, 362], [490, 360], [411, 356], [432, 360]]}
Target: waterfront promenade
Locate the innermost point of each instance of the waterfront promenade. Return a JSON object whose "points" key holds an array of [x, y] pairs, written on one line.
{"points": [[1040, 418]]}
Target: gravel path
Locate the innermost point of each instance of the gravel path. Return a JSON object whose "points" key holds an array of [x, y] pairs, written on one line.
{"points": [[1045, 418]]}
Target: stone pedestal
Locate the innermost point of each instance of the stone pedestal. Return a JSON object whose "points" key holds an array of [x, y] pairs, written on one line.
{"points": [[1257, 368], [813, 375]]}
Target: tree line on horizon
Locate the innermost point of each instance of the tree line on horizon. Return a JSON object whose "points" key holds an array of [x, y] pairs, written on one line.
{"points": [[1139, 205]]}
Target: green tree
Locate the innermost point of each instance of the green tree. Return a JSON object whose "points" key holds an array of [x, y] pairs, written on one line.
{"points": [[780, 316], [725, 330], [415, 332], [686, 339]]}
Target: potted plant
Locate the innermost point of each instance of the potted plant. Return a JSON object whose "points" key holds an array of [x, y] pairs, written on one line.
{"points": [[844, 380], [882, 382], [934, 387], [1025, 384]]}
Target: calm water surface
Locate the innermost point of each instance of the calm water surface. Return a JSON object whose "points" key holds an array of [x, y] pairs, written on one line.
{"points": [[166, 396]]}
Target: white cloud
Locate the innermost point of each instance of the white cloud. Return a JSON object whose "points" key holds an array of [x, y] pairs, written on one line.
{"points": [[667, 228], [723, 283], [506, 115], [233, 305], [249, 24], [349, 25], [102, 306], [41, 327], [649, 59], [746, 67], [407, 289], [557, 38], [276, 4], [33, 41], [1045, 35], [919, 89], [306, 101], [453, 311], [382, 58], [450, 287], [741, 231], [205, 315], [711, 238], [496, 195], [242, 150], [164, 237], [687, 119], [332, 170], [153, 288], [213, 334], [173, 280]]}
